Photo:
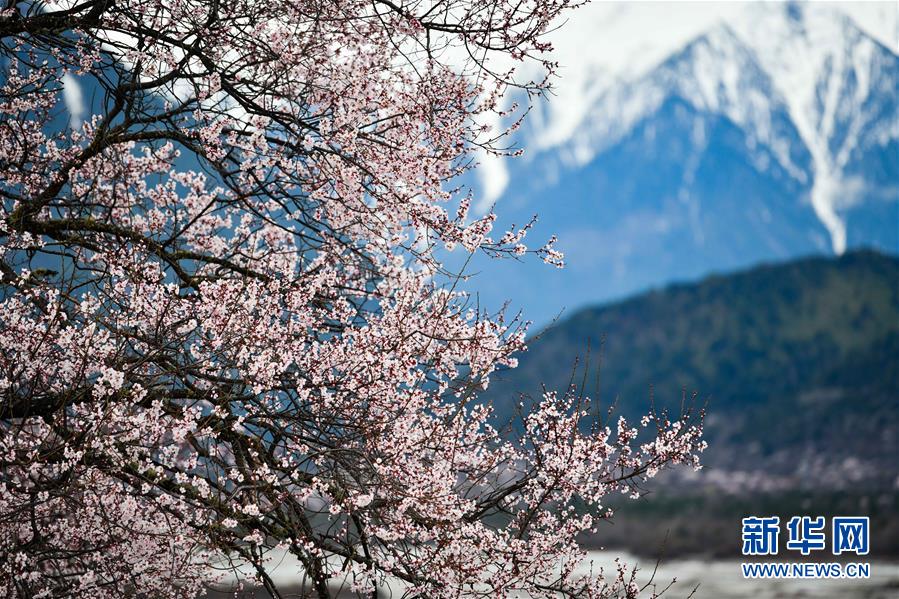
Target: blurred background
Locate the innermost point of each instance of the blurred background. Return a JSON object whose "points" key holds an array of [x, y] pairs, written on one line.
{"points": [[724, 181]]}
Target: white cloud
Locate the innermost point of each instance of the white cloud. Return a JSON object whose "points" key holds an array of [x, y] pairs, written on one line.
{"points": [[74, 100], [494, 178]]}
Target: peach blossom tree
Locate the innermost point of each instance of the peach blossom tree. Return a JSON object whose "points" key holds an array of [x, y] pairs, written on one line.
{"points": [[226, 328]]}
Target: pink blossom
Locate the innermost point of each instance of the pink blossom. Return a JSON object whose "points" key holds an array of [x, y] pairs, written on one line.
{"points": [[225, 325]]}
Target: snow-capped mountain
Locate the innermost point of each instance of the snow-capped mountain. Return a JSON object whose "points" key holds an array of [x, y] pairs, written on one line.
{"points": [[840, 88], [779, 72], [770, 134]]}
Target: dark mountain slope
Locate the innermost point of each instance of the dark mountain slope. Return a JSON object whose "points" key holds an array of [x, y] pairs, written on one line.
{"points": [[799, 363]]}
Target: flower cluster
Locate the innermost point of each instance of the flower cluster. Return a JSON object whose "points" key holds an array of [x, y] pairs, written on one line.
{"points": [[224, 324]]}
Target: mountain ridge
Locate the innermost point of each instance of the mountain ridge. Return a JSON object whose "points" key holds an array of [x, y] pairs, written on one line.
{"points": [[808, 109], [699, 162], [732, 53]]}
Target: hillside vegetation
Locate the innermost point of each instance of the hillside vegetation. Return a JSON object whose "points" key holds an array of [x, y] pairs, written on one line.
{"points": [[797, 363]]}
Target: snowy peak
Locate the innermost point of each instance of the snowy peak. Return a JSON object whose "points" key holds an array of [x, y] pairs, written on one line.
{"points": [[804, 83], [694, 138], [839, 86], [716, 73], [719, 73]]}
